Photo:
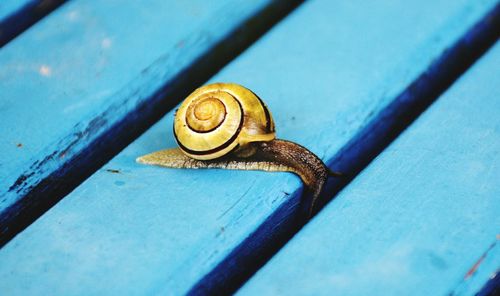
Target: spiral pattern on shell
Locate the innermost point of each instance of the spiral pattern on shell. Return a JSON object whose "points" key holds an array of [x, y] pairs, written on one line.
{"points": [[219, 118]]}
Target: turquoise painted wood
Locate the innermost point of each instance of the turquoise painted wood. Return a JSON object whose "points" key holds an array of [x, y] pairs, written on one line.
{"points": [[422, 219], [17, 15], [80, 83], [134, 229]]}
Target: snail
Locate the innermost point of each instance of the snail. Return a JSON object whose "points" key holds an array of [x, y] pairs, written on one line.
{"points": [[225, 125]]}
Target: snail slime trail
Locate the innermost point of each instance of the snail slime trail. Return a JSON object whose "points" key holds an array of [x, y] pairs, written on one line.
{"points": [[227, 126]]}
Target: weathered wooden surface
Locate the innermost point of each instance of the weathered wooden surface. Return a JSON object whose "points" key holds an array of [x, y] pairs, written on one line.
{"points": [[328, 73], [17, 15], [422, 219], [81, 84]]}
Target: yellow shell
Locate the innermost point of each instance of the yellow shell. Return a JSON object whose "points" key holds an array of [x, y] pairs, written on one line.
{"points": [[219, 118]]}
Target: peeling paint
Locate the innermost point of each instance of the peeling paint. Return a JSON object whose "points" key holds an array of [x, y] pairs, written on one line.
{"points": [[45, 71], [476, 265]]}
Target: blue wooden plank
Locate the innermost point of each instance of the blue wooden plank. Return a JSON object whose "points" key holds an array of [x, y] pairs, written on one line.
{"points": [[99, 82], [137, 229], [422, 219], [17, 15]]}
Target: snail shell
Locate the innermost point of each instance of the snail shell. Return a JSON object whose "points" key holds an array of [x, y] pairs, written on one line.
{"points": [[219, 118], [225, 125]]}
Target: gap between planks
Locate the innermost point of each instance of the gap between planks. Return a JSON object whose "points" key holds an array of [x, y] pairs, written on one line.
{"points": [[23, 18]]}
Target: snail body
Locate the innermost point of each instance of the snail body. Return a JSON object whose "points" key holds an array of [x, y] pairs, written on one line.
{"points": [[225, 125]]}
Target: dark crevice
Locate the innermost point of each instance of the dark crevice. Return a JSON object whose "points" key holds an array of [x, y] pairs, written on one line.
{"points": [[25, 17], [50, 190], [251, 254], [492, 287]]}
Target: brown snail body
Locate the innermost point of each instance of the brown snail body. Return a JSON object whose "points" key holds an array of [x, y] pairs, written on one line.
{"points": [[225, 125]]}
